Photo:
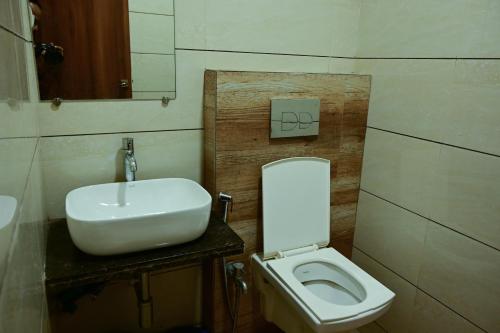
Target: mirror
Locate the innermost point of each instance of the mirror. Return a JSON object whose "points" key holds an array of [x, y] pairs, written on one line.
{"points": [[104, 49]]}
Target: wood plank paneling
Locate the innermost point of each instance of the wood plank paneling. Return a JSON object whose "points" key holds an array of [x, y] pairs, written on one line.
{"points": [[237, 144]]}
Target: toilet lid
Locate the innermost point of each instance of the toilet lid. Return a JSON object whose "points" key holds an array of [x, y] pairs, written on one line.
{"points": [[296, 204]]}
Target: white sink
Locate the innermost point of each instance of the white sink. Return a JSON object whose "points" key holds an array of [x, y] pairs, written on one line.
{"points": [[119, 218]]}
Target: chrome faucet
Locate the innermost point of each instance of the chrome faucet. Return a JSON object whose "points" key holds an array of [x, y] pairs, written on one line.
{"points": [[129, 161]]}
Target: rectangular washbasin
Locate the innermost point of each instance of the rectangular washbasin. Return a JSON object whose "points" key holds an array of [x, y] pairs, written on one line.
{"points": [[119, 218]]}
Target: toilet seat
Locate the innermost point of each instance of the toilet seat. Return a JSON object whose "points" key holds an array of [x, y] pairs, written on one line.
{"points": [[375, 294], [329, 291]]}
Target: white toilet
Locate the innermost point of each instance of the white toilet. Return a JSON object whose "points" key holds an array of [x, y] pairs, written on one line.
{"points": [[305, 286]]}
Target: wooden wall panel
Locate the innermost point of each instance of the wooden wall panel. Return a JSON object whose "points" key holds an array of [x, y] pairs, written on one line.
{"points": [[237, 144]]}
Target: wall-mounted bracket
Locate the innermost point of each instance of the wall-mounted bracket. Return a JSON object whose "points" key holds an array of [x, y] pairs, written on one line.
{"points": [[56, 102], [165, 100]]}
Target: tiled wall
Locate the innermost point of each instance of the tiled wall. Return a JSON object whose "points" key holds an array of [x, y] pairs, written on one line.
{"points": [[22, 295], [431, 161], [271, 37], [428, 215], [80, 140]]}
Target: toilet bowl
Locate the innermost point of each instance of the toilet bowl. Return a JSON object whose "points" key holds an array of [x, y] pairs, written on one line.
{"points": [[304, 285]]}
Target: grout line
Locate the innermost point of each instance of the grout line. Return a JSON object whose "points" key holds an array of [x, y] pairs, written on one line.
{"points": [[251, 52], [335, 57], [154, 53], [158, 14], [434, 141], [122, 132], [431, 220], [14, 33], [422, 58], [417, 287], [155, 91], [381, 264], [19, 137]]}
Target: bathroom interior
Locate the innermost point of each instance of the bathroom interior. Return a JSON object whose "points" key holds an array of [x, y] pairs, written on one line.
{"points": [[249, 166]]}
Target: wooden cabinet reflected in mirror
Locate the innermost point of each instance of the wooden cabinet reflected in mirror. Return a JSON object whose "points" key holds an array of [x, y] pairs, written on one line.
{"points": [[104, 49]]}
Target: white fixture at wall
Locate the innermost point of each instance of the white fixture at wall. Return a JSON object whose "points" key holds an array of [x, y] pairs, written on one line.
{"points": [[304, 285], [119, 218]]}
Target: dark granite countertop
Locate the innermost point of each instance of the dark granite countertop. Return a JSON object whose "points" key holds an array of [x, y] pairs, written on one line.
{"points": [[68, 267]]}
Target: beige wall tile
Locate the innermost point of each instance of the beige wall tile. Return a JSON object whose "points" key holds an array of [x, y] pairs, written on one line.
{"points": [[408, 96], [30, 231], [5, 14], [72, 162], [433, 99], [153, 72], [17, 13], [18, 120], [398, 168], [22, 296], [150, 33], [431, 316], [22, 299], [465, 194], [183, 112], [10, 85], [472, 110], [123, 116], [165, 7], [391, 235], [345, 29], [427, 28], [13, 86], [265, 62], [342, 66], [463, 274], [284, 26], [10, 16], [13, 16], [25, 14], [190, 24], [31, 75], [22, 293], [33, 210], [22, 68], [16, 156], [398, 318]]}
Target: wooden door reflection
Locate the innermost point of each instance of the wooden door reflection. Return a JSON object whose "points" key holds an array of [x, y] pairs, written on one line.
{"points": [[94, 35]]}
